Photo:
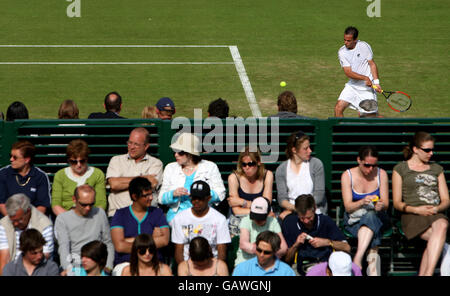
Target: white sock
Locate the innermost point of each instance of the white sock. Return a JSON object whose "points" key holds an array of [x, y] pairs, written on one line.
{"points": [[445, 262]]}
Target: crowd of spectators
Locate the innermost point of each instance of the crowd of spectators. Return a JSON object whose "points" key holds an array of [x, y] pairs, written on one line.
{"points": [[144, 219]]}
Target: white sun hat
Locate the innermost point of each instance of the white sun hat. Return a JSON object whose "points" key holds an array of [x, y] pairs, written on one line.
{"points": [[187, 142]]}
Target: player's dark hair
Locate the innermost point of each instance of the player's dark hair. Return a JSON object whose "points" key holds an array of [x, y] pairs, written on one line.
{"points": [[351, 31]]}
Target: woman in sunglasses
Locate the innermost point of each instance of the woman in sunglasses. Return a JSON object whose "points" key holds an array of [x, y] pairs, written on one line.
{"points": [[300, 174], [249, 181], [180, 175], [420, 192], [144, 259], [365, 192], [201, 261], [77, 173], [22, 176]]}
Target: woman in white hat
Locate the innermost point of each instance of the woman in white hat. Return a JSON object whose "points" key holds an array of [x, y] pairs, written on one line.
{"points": [[189, 167]]}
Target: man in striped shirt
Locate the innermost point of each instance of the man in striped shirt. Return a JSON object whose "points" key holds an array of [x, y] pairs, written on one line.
{"points": [[21, 216]]}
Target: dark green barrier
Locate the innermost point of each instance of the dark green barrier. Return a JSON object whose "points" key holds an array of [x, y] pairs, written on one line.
{"points": [[335, 141]]}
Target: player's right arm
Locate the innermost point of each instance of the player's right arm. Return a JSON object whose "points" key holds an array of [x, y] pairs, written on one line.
{"points": [[353, 75]]}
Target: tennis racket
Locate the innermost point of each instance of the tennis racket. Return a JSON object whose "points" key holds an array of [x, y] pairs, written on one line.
{"points": [[397, 100]]}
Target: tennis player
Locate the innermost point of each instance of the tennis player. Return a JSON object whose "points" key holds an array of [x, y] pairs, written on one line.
{"points": [[356, 58]]}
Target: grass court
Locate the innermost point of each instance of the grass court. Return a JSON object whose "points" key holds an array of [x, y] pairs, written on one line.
{"points": [[283, 40]]}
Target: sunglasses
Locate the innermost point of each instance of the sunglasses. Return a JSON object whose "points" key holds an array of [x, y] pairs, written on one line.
{"points": [[75, 161], [147, 195], [369, 165], [180, 153], [426, 150], [86, 204], [259, 250], [15, 157], [143, 251], [250, 164]]}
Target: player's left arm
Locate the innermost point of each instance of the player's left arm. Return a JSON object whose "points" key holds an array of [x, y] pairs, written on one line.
{"points": [[374, 71]]}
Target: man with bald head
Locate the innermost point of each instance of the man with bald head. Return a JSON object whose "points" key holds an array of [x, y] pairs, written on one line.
{"points": [[137, 162], [82, 224], [112, 105]]}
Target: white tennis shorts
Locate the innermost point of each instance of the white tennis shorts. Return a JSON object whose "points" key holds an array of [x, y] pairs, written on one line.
{"points": [[364, 101]]}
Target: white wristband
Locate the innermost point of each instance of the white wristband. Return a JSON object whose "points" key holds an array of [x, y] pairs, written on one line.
{"points": [[376, 81]]}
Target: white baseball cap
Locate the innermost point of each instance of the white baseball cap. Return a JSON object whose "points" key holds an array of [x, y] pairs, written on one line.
{"points": [[260, 208], [340, 264]]}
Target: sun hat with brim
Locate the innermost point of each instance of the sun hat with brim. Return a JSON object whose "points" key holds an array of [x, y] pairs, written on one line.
{"points": [[187, 142]]}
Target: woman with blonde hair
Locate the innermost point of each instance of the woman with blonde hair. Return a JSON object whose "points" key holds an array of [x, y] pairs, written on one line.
{"points": [[249, 181], [149, 112], [420, 192]]}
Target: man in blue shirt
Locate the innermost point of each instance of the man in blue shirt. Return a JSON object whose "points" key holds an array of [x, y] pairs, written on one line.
{"points": [[311, 237], [139, 217], [23, 177], [266, 262]]}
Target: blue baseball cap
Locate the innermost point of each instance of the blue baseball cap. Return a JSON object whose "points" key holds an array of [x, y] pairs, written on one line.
{"points": [[165, 104]]}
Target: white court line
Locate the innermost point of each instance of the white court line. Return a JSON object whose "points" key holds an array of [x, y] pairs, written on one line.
{"points": [[116, 63], [245, 81], [106, 45], [237, 61]]}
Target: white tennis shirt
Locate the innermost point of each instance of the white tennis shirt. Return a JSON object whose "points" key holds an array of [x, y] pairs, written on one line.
{"points": [[358, 59]]}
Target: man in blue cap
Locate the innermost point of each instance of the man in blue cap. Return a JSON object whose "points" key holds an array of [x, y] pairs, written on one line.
{"points": [[165, 108]]}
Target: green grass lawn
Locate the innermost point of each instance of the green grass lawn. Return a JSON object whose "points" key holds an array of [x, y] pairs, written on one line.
{"points": [[290, 40]]}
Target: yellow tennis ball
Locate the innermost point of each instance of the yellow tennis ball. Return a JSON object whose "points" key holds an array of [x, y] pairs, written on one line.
{"points": [[283, 83]]}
